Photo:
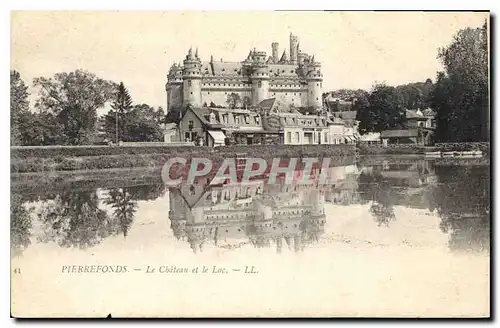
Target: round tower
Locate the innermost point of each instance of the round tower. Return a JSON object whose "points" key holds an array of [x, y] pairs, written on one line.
{"points": [[174, 88], [314, 85], [259, 77], [191, 75]]}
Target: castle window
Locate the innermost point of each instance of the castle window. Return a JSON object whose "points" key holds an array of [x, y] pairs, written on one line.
{"points": [[283, 71], [191, 92], [317, 98], [260, 84], [208, 92], [189, 83], [286, 94], [317, 84], [291, 71], [294, 94]]}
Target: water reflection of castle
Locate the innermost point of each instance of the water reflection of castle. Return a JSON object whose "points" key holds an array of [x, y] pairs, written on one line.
{"points": [[283, 215]]}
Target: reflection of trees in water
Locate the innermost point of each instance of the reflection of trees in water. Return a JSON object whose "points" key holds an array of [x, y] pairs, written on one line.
{"points": [[373, 187], [124, 208], [20, 225], [147, 192], [73, 219], [462, 200]]}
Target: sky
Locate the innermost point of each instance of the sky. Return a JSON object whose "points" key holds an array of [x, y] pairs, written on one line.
{"points": [[356, 49]]}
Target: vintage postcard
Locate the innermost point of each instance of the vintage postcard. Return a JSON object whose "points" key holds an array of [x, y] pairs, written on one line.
{"points": [[250, 164]]}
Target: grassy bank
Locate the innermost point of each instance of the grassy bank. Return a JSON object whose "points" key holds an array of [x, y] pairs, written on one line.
{"points": [[53, 159]]}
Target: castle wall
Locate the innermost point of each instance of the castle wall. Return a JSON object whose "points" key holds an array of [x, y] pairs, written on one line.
{"points": [[219, 97], [175, 96]]}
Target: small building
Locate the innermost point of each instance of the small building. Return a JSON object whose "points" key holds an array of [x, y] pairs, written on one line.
{"points": [[418, 136], [351, 125], [200, 126], [170, 133], [297, 128], [418, 128], [370, 138]]}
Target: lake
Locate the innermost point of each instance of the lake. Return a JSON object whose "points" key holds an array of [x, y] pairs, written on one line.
{"points": [[386, 238]]}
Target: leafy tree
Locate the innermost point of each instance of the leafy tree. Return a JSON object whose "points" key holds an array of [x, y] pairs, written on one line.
{"points": [[160, 116], [461, 93], [416, 95], [212, 104], [74, 98], [19, 106], [364, 115], [384, 111], [233, 100], [40, 129], [247, 102], [142, 125]]}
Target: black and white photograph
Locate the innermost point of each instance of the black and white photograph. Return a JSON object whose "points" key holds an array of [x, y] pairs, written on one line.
{"points": [[250, 164]]}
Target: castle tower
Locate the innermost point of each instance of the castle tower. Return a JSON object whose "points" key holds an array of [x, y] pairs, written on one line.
{"points": [[294, 45], [275, 47], [314, 85], [191, 75], [174, 88], [259, 77]]}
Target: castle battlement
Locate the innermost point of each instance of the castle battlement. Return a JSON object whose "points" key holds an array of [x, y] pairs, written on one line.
{"points": [[295, 79]]}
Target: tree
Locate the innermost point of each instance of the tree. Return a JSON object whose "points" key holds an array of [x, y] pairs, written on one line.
{"points": [[364, 115], [19, 106], [416, 95], [247, 102], [115, 120], [461, 93], [233, 100], [40, 129], [74, 99], [160, 116], [142, 124], [384, 111]]}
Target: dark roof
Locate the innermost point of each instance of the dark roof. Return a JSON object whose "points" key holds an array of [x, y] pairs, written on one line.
{"points": [[399, 133], [202, 114], [346, 115], [266, 103]]}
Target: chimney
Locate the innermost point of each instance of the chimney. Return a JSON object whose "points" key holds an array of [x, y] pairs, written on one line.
{"points": [[275, 47]]}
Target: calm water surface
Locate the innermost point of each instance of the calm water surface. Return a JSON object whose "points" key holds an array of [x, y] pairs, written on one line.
{"points": [[405, 239]]}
